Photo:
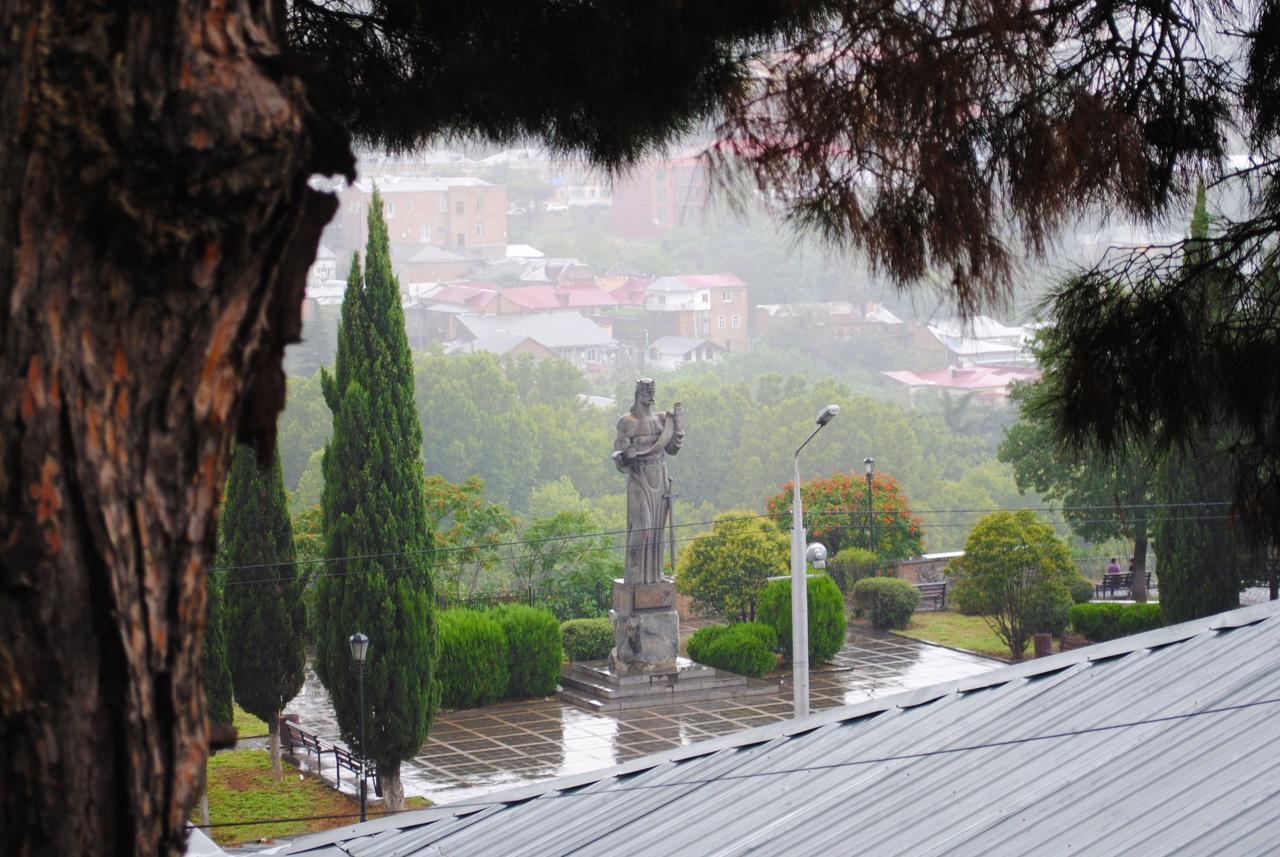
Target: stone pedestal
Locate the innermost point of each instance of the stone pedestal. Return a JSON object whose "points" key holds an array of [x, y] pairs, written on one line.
{"points": [[646, 629]]}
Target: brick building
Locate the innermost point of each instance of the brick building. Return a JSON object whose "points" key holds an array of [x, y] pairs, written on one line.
{"points": [[463, 215]]}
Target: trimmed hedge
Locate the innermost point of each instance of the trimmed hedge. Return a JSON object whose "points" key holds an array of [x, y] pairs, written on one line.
{"points": [[586, 639], [1106, 621], [1081, 590], [745, 648], [534, 650], [826, 616], [472, 665], [887, 601]]}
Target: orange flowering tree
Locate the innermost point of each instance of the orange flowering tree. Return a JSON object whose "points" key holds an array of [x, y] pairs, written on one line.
{"points": [[835, 513]]}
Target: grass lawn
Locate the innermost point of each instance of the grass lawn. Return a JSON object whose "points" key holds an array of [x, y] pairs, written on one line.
{"points": [[247, 726], [958, 631], [241, 789]]}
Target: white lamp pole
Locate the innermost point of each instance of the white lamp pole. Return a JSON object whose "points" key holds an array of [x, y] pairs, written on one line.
{"points": [[799, 586]]}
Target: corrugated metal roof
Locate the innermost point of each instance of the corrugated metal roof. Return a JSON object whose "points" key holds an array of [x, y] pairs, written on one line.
{"points": [[1162, 743]]}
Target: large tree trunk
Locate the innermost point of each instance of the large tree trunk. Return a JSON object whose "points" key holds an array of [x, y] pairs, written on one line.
{"points": [[392, 787], [1139, 589], [273, 744], [155, 229]]}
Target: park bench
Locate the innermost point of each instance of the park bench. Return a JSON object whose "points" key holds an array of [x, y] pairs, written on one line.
{"points": [[935, 592], [1112, 583]]}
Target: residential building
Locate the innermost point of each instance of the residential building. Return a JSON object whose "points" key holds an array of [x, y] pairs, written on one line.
{"points": [[989, 384], [672, 352], [465, 215], [711, 306], [657, 196], [566, 333]]}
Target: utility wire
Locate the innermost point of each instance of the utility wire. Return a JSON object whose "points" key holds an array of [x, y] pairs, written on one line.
{"points": [[829, 766]]}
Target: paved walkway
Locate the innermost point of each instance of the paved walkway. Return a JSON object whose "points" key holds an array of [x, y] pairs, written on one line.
{"points": [[475, 752]]}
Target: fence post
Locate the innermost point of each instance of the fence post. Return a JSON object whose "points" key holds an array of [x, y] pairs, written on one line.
{"points": [[337, 766]]}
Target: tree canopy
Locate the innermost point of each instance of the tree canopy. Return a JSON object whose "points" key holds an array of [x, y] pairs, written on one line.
{"points": [[836, 514]]}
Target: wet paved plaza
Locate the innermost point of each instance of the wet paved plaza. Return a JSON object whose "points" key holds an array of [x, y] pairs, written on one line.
{"points": [[475, 752]]}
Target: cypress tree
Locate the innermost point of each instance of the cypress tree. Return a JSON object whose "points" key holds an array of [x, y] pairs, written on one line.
{"points": [[1202, 557], [375, 527], [217, 674], [263, 593]]}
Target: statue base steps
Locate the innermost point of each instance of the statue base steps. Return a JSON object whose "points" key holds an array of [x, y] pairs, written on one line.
{"points": [[594, 686]]}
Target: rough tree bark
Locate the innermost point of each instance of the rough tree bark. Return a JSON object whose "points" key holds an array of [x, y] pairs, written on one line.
{"points": [[155, 229]]}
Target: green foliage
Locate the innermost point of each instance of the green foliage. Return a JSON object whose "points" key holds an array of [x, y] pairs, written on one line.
{"points": [[1017, 573], [467, 531], [723, 571], [745, 648], [375, 523], [472, 669], [1107, 621], [1081, 590], [851, 565], [534, 650], [262, 588], [836, 514], [562, 560], [886, 601], [1203, 556], [217, 672], [827, 621], [303, 430], [586, 639]]}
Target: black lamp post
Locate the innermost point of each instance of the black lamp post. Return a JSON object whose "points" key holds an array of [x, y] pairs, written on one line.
{"points": [[869, 464], [359, 648]]}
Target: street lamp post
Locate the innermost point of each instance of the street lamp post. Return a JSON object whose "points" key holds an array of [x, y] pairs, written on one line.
{"points": [[359, 648], [799, 586], [869, 464]]}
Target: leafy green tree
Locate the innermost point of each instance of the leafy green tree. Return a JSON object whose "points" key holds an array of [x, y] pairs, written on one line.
{"points": [[1104, 496], [835, 511], [467, 531], [378, 581], [304, 428], [1016, 573], [263, 593], [723, 571], [561, 560]]}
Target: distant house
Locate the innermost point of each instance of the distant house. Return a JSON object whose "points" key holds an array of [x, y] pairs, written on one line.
{"points": [[711, 306], [842, 320], [418, 263], [990, 384], [562, 333], [1154, 744], [984, 340], [324, 268], [672, 352]]}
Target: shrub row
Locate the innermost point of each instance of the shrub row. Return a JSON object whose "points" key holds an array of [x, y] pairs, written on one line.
{"points": [[887, 601], [512, 652], [1104, 621], [826, 616], [745, 648], [587, 639]]}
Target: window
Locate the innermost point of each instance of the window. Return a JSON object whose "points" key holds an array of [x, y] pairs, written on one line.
{"points": [[461, 207], [424, 233], [444, 204], [479, 203], [720, 323], [737, 322], [408, 206], [704, 298], [462, 240], [389, 209], [727, 295], [479, 230]]}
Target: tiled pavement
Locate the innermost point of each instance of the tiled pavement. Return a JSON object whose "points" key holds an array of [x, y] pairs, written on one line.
{"points": [[471, 753]]}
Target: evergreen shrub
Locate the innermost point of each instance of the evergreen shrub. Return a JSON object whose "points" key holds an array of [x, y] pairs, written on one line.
{"points": [[887, 601], [1081, 590], [534, 650], [745, 648], [826, 616], [1106, 621], [472, 665], [587, 639]]}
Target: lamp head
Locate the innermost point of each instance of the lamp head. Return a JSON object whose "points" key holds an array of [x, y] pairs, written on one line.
{"points": [[359, 647], [816, 555], [827, 414], [869, 464]]}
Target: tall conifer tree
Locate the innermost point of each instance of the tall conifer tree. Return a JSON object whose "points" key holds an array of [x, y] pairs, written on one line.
{"points": [[264, 615], [375, 526]]}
